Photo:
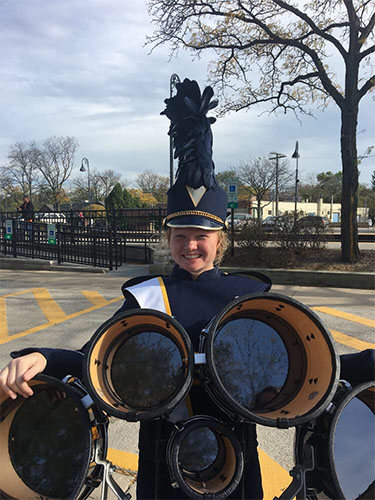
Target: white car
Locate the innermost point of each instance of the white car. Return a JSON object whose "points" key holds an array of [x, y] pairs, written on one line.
{"points": [[239, 220]]}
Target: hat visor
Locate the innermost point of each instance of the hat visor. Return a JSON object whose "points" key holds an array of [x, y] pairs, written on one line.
{"points": [[195, 221]]}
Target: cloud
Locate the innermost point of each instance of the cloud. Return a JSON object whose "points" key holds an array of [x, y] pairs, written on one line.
{"points": [[81, 69]]}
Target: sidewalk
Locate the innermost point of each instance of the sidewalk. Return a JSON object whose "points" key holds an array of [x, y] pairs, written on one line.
{"points": [[334, 279]]}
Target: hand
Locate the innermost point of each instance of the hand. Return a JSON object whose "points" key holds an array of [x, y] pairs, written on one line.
{"points": [[15, 376]]}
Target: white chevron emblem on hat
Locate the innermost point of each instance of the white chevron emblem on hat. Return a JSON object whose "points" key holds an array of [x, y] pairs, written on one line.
{"points": [[196, 194]]}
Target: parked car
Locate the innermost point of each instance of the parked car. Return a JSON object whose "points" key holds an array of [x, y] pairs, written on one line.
{"points": [[274, 223], [51, 218], [313, 222], [239, 220]]}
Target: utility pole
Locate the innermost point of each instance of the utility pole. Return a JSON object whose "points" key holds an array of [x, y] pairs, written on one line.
{"points": [[277, 157]]}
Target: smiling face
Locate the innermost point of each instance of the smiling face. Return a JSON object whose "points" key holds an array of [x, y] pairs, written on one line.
{"points": [[193, 249]]}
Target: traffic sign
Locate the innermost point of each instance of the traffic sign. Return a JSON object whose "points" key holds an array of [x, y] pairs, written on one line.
{"points": [[51, 231], [8, 229], [232, 204]]}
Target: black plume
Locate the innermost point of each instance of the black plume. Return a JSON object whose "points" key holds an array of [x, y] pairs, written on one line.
{"points": [[190, 130]]}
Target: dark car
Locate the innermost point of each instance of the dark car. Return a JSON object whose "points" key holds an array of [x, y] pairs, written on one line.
{"points": [[240, 220], [276, 223], [313, 222]]}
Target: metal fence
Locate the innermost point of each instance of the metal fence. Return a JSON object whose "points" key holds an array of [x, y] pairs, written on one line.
{"points": [[97, 238]]}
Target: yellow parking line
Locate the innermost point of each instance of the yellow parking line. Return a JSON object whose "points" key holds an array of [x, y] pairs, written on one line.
{"points": [[350, 341], [123, 459], [94, 297], [350, 317], [46, 325], [51, 310], [3, 319], [275, 478]]}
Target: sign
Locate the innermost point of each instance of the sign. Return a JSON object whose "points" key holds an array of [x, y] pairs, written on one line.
{"points": [[51, 232], [232, 195], [8, 229]]}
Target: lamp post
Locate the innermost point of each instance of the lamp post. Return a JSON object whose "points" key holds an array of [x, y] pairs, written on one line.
{"points": [[277, 157], [296, 156], [174, 79], [84, 164]]}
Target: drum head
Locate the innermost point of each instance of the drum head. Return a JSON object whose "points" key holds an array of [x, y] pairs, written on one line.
{"points": [[352, 444], [139, 365], [271, 360], [45, 443]]}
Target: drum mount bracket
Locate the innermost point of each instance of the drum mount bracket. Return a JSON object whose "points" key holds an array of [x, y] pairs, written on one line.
{"points": [[108, 480], [297, 488]]}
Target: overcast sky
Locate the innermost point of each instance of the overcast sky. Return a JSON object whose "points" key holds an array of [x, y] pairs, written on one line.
{"points": [[71, 68]]}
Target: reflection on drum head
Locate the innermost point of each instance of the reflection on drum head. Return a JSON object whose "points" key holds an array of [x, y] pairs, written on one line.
{"points": [[354, 450], [199, 450], [146, 369], [251, 361], [48, 445]]}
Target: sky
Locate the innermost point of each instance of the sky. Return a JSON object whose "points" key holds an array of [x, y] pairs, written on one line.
{"points": [[82, 69]]}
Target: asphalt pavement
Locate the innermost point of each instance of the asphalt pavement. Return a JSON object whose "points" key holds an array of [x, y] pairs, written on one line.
{"points": [[63, 309]]}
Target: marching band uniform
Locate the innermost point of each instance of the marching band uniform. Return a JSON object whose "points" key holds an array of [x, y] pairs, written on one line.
{"points": [[193, 304]]}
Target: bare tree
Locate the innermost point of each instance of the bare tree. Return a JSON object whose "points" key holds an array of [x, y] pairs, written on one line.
{"points": [[259, 177], [21, 170], [152, 183], [101, 184], [54, 159], [273, 52]]}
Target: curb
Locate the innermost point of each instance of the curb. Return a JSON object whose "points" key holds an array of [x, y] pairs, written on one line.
{"points": [[300, 277], [332, 279], [20, 263]]}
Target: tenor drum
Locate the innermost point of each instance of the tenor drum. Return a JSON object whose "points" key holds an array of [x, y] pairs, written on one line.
{"points": [[270, 360], [343, 444], [204, 458], [139, 365], [49, 441]]}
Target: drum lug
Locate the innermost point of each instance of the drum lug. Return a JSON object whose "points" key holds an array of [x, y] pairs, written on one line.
{"points": [[283, 423]]}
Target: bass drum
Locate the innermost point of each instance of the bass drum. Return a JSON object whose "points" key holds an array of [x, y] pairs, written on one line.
{"points": [[49, 441], [343, 443]]}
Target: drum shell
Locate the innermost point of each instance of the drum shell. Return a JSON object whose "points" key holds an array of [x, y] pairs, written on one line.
{"points": [[320, 434], [103, 347], [93, 423], [306, 338]]}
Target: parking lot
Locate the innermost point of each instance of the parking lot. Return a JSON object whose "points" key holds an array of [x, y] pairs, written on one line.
{"points": [[63, 309]]}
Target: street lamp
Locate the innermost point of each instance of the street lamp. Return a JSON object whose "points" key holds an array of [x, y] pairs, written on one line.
{"points": [[172, 84], [277, 157], [296, 156], [84, 162]]}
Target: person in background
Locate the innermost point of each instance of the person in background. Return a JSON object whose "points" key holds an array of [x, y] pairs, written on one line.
{"points": [[27, 209]]}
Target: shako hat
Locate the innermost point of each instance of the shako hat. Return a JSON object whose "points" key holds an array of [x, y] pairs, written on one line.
{"points": [[195, 199]]}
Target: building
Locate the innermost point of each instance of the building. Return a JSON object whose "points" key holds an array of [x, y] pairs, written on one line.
{"points": [[330, 210]]}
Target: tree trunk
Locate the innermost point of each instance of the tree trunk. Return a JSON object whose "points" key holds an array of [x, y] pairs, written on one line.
{"points": [[349, 197]]}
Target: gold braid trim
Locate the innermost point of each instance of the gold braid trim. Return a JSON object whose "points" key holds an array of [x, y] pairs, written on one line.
{"points": [[193, 212]]}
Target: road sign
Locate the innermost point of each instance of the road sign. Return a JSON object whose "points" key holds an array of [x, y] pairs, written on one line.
{"points": [[8, 229], [232, 195], [51, 231]]}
